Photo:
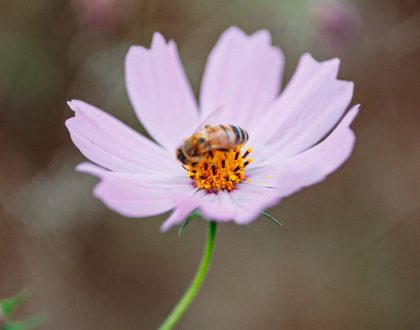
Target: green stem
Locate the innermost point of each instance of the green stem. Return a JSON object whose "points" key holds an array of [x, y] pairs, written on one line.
{"points": [[189, 295]]}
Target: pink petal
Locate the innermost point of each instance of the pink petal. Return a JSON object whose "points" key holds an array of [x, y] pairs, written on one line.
{"points": [[250, 200], [310, 106], [179, 215], [213, 207], [138, 195], [150, 178], [160, 93], [243, 73], [242, 206], [113, 145], [217, 207], [311, 166]]}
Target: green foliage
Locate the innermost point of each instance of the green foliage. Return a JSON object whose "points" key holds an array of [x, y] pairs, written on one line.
{"points": [[8, 305]]}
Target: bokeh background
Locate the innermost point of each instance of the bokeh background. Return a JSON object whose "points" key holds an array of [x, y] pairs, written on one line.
{"points": [[348, 255]]}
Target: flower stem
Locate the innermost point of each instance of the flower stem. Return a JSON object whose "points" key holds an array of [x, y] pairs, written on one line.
{"points": [[189, 295]]}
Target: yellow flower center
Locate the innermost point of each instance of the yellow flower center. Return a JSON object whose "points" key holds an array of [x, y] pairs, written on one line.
{"points": [[220, 170]]}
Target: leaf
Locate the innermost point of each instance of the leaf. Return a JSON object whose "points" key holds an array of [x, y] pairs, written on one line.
{"points": [[188, 219], [8, 305], [272, 218]]}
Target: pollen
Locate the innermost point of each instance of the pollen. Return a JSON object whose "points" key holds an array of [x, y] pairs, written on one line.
{"points": [[220, 169]]}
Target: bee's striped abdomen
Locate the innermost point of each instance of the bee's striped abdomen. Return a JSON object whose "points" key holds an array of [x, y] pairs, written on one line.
{"points": [[241, 136], [235, 130], [226, 130]]}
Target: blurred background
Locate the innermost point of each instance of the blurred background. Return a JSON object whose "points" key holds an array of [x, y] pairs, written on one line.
{"points": [[348, 255]]}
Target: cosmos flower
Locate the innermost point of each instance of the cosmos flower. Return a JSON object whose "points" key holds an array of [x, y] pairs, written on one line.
{"points": [[296, 137]]}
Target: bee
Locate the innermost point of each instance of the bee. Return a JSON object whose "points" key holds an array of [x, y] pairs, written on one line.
{"points": [[211, 137]]}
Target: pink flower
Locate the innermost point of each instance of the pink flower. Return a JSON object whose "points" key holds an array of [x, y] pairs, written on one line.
{"points": [[287, 131]]}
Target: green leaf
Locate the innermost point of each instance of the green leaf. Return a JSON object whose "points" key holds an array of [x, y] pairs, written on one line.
{"points": [[191, 217], [272, 219], [32, 323], [8, 305]]}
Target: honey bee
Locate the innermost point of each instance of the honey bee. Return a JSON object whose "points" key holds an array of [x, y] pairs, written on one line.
{"points": [[211, 137]]}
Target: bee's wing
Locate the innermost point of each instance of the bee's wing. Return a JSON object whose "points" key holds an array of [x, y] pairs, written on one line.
{"points": [[215, 117]]}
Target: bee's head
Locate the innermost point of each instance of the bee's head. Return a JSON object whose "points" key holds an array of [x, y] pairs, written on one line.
{"points": [[181, 156]]}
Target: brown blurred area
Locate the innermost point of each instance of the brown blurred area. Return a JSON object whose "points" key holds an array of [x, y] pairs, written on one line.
{"points": [[348, 255]]}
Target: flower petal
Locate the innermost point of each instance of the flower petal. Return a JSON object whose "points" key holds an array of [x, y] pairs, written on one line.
{"points": [[310, 106], [160, 92], [213, 207], [179, 214], [242, 205], [311, 166], [110, 143], [243, 73], [138, 195], [150, 178], [250, 200], [217, 207]]}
